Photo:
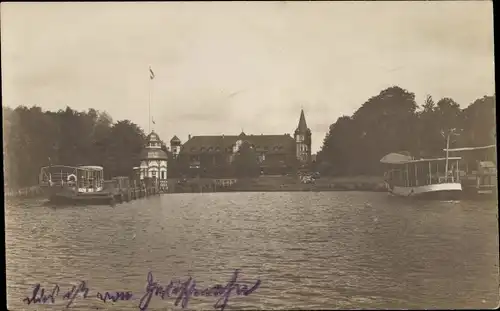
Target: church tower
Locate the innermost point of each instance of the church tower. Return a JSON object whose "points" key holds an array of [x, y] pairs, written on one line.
{"points": [[303, 140]]}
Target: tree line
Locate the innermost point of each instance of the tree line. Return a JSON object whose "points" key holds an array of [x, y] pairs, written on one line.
{"points": [[392, 121], [34, 138], [389, 122]]}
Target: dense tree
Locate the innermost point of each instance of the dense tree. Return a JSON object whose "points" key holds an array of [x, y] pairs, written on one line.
{"points": [[392, 122], [479, 122], [34, 138]]}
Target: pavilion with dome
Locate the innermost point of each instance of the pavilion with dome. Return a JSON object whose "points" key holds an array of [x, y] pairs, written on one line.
{"points": [[154, 161]]}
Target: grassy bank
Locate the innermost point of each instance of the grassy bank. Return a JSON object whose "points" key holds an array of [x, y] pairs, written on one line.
{"points": [[282, 183]]}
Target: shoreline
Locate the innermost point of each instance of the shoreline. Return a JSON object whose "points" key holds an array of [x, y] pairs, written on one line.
{"points": [[258, 184], [277, 184]]}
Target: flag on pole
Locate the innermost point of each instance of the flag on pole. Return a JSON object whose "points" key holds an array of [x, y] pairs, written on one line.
{"points": [[151, 73]]}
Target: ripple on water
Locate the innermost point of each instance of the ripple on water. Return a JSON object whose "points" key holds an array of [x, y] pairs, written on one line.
{"points": [[311, 250]]}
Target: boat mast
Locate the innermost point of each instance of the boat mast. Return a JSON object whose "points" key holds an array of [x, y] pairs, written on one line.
{"points": [[446, 165]]}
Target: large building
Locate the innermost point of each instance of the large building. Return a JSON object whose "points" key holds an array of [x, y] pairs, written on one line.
{"points": [[276, 154]]}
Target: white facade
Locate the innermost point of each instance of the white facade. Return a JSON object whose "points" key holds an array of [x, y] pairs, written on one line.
{"points": [[154, 160], [153, 168]]}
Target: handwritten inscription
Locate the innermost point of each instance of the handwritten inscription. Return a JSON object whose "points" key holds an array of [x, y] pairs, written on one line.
{"points": [[38, 295], [71, 294], [186, 290], [181, 291]]}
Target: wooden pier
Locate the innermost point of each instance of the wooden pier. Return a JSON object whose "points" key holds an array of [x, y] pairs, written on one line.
{"points": [[119, 189]]}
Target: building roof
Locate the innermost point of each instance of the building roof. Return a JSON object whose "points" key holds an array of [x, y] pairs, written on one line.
{"points": [[269, 144], [152, 137], [153, 154], [175, 139], [302, 127]]}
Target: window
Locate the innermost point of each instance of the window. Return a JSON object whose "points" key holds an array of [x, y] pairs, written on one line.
{"points": [[163, 175]]}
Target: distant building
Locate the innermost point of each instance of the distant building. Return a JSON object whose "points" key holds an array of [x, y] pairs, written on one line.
{"points": [[276, 154], [153, 160]]}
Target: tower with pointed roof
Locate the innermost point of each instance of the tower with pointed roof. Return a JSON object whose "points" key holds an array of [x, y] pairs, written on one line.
{"points": [[154, 160], [175, 146], [302, 137]]}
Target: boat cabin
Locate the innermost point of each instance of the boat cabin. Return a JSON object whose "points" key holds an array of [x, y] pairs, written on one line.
{"points": [[81, 179], [404, 171]]}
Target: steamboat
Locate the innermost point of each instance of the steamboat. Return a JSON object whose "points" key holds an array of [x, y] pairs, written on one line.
{"points": [[74, 184]]}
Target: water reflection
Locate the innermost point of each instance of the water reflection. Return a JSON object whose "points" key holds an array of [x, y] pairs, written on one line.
{"points": [[310, 250]]}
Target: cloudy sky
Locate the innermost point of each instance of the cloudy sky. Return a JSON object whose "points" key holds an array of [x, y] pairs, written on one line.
{"points": [[223, 67]]}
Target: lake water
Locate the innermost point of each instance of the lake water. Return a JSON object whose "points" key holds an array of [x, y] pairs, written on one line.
{"points": [[311, 250]]}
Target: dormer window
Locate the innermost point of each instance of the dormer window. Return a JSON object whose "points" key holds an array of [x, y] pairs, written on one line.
{"points": [[217, 149], [202, 149], [210, 149]]}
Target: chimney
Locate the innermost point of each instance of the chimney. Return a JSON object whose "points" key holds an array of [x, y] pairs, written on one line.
{"points": [[189, 136]]}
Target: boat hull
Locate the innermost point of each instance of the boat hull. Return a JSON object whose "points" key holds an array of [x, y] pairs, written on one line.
{"points": [[445, 191], [67, 195]]}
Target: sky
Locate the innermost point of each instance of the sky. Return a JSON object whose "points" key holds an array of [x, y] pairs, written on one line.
{"points": [[221, 68]]}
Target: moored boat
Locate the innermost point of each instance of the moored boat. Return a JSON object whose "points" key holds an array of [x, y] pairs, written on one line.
{"points": [[70, 184], [479, 172], [422, 178]]}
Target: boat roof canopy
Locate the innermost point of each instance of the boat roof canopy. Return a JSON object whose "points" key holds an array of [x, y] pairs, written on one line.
{"points": [[81, 167], [59, 166], [90, 168], [470, 148], [397, 159], [435, 159]]}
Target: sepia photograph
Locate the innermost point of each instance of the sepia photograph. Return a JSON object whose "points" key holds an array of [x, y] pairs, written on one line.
{"points": [[274, 155]]}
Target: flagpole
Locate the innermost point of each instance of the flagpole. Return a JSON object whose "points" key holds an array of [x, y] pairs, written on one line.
{"points": [[149, 104]]}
